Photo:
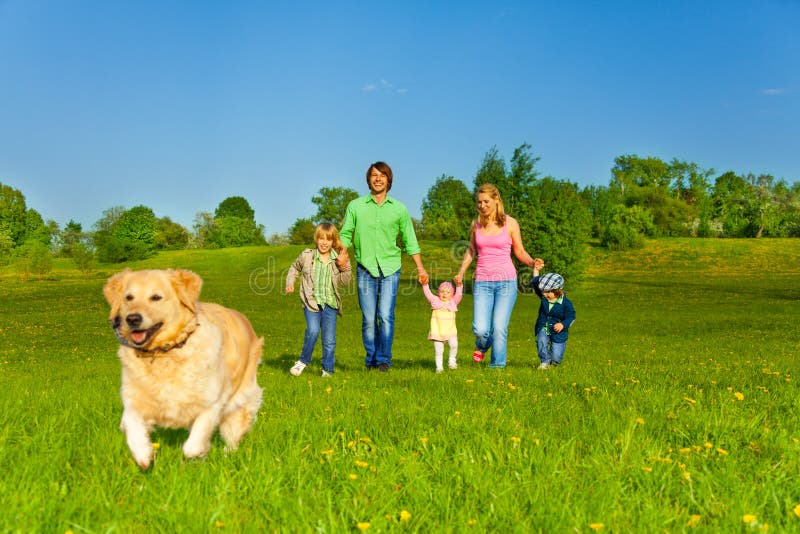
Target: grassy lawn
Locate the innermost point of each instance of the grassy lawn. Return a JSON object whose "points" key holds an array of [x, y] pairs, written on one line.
{"points": [[676, 408]]}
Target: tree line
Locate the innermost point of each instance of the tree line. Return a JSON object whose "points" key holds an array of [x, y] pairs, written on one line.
{"points": [[645, 197]]}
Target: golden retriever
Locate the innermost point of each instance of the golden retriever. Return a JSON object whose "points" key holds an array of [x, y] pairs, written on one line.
{"points": [[185, 364]]}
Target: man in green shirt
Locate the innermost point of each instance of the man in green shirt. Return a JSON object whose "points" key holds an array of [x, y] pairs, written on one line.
{"points": [[371, 225]]}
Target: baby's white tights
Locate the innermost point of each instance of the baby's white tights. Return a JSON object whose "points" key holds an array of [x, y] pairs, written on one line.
{"points": [[438, 353]]}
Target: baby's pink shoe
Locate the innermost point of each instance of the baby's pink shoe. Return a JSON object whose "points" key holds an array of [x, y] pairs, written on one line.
{"points": [[477, 356]]}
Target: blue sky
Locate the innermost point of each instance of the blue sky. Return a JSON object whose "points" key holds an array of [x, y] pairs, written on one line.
{"points": [[178, 105]]}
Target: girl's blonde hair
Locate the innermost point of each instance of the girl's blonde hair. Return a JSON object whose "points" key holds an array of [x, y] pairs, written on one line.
{"points": [[500, 216], [328, 231]]}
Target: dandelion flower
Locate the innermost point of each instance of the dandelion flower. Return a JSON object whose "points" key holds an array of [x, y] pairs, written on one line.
{"points": [[424, 440], [738, 396], [472, 522], [352, 476], [722, 451], [749, 519], [797, 510], [361, 463], [685, 450], [328, 389], [536, 441], [708, 445], [405, 515], [550, 394], [327, 452], [515, 439], [687, 475], [694, 519], [690, 400], [647, 469], [639, 421], [362, 526], [156, 446], [596, 526]]}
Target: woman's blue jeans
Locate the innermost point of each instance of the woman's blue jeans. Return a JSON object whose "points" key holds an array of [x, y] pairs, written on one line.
{"points": [[376, 297], [322, 321], [492, 306]]}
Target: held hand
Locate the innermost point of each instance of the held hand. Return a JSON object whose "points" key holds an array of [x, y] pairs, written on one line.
{"points": [[459, 279], [341, 259], [538, 263], [289, 289], [558, 327], [422, 277]]}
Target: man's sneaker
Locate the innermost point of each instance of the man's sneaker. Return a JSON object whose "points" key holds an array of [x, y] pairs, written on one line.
{"points": [[297, 368], [383, 368], [326, 373], [544, 365], [439, 370], [452, 364], [477, 356]]}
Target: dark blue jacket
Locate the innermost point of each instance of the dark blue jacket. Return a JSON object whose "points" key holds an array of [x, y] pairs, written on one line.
{"points": [[563, 312]]}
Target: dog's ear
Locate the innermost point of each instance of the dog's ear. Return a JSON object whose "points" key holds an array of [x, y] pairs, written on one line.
{"points": [[113, 291], [187, 287]]}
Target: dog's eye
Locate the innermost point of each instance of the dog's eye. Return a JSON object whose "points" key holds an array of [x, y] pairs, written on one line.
{"points": [[128, 297], [156, 298]]}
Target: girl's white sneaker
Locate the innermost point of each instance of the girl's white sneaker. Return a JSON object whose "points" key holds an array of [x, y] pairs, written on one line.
{"points": [[297, 368]]}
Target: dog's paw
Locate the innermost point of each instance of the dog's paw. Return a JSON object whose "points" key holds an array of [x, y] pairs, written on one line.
{"points": [[195, 450], [143, 457]]}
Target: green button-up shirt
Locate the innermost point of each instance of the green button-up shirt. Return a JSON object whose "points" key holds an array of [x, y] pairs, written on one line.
{"points": [[372, 230]]}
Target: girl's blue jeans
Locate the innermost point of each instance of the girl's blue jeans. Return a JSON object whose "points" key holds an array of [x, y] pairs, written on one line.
{"points": [[492, 306]]}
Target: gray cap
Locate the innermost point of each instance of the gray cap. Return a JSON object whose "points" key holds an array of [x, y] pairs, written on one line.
{"points": [[551, 281]]}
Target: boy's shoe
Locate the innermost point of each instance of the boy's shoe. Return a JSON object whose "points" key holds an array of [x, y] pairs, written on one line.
{"points": [[543, 366], [452, 364], [297, 368], [477, 356], [326, 373], [383, 368]]}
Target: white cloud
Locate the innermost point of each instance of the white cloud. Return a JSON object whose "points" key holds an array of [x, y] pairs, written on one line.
{"points": [[773, 92], [384, 86]]}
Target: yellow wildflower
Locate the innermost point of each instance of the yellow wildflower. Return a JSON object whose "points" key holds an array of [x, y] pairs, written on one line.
{"points": [[639, 421], [362, 526], [685, 450], [797, 510], [352, 476], [424, 440], [472, 522], [327, 452], [647, 469], [596, 526], [708, 445], [722, 451], [738, 396], [694, 519], [361, 463], [515, 439], [748, 518], [156, 446], [405, 515]]}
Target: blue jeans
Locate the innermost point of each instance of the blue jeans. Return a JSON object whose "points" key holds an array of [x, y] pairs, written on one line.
{"points": [[376, 297], [550, 352], [324, 320], [492, 306]]}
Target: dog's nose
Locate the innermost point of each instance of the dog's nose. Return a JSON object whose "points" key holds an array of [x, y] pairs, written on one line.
{"points": [[134, 320]]}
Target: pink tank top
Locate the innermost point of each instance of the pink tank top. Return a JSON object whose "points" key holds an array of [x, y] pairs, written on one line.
{"points": [[494, 257]]}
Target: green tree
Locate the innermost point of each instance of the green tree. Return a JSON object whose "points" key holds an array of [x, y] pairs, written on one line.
{"points": [[13, 218], [302, 232], [628, 227], [171, 235], [447, 210], [332, 203], [233, 225], [83, 256], [33, 257], [235, 207], [71, 235], [126, 236]]}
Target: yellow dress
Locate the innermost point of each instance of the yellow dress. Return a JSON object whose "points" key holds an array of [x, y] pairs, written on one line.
{"points": [[443, 325]]}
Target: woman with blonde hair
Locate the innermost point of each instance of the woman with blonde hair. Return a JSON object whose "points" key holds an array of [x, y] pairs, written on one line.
{"points": [[493, 237]]}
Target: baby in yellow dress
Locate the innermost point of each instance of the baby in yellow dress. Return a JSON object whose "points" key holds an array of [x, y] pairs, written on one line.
{"points": [[443, 322]]}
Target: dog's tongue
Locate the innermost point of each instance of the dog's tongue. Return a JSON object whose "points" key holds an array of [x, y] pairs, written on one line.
{"points": [[138, 336]]}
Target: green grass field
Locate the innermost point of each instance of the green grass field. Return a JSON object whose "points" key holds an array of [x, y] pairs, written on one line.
{"points": [[676, 408]]}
